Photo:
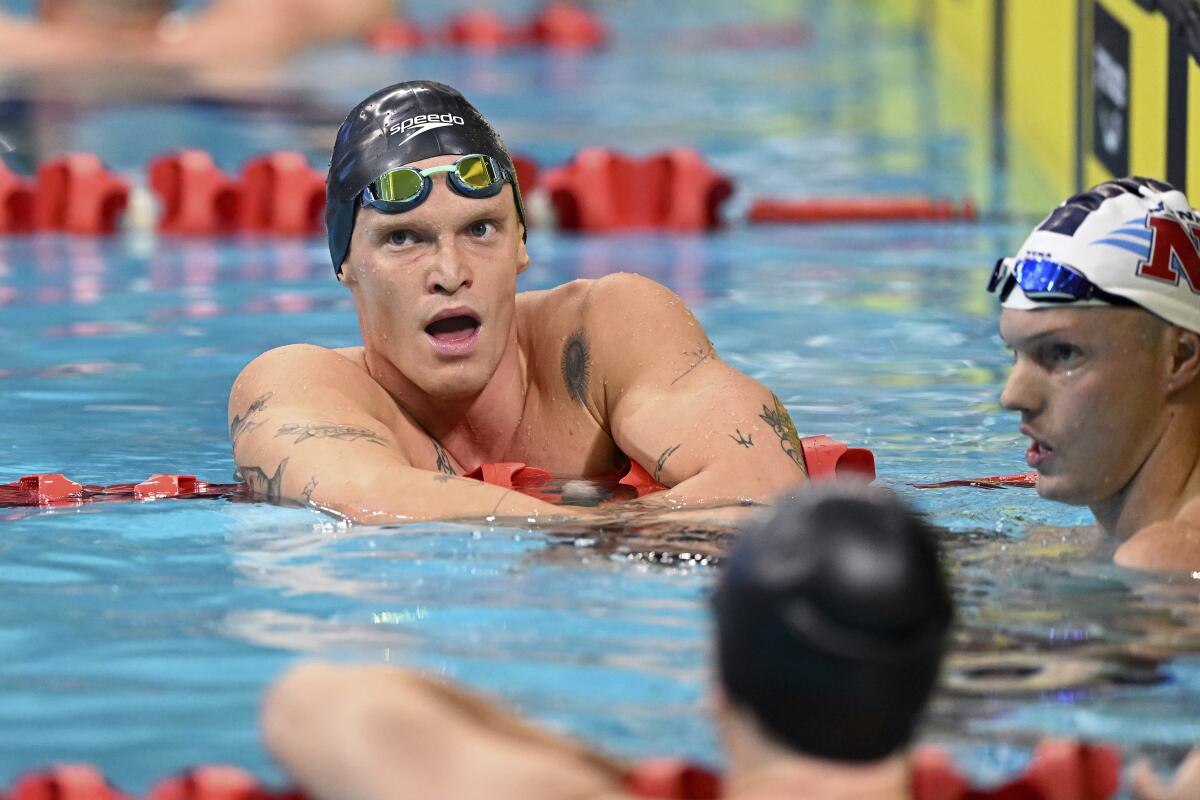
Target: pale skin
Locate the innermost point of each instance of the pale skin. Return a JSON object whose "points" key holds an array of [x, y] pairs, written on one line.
{"points": [[576, 380], [1111, 402], [381, 733], [225, 33]]}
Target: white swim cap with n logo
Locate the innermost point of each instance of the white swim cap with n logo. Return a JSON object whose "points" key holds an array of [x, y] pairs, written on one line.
{"points": [[1136, 238]]}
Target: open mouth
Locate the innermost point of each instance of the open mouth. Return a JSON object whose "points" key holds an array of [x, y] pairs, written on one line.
{"points": [[1037, 453], [453, 329]]}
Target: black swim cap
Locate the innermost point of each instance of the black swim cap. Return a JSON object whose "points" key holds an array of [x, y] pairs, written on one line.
{"points": [[831, 622], [395, 126]]}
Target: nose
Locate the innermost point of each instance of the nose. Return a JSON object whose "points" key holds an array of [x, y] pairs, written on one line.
{"points": [[1021, 391], [449, 273]]}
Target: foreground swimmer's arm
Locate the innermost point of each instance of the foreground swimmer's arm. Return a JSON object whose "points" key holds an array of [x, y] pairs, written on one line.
{"points": [[1185, 785], [309, 425], [379, 733], [695, 423]]}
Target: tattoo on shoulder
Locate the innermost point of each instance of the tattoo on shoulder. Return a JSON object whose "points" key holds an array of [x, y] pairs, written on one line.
{"points": [[744, 439], [576, 366], [442, 478], [700, 357], [662, 460], [308, 490], [243, 424], [444, 465], [344, 433], [260, 483], [785, 429]]}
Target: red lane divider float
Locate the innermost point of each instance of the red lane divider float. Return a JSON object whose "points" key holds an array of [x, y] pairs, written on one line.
{"points": [[277, 193], [56, 489], [559, 25], [858, 209], [1020, 480], [601, 191], [197, 197], [16, 202]]}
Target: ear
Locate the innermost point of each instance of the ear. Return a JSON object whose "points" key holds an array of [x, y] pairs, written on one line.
{"points": [[1185, 359], [522, 253]]}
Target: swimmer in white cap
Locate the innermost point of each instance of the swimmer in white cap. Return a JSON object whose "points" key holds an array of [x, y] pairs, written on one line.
{"points": [[1101, 307]]}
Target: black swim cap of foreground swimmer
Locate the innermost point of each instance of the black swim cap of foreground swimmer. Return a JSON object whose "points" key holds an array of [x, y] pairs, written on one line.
{"points": [[832, 618], [396, 126]]}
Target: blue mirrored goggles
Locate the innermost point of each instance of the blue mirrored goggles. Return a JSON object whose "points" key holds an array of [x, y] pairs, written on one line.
{"points": [[1047, 281], [404, 188]]}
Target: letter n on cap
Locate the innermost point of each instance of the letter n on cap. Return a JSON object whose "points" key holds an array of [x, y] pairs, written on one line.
{"points": [[1172, 251]]}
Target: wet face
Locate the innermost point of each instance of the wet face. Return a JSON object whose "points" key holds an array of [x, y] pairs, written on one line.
{"points": [[435, 287], [1090, 384]]}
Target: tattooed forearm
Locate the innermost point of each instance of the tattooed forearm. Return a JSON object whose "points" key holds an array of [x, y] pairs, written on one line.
{"points": [[576, 366], [344, 433], [662, 461], [744, 439], [785, 429], [701, 356], [308, 490], [260, 483], [242, 424], [444, 465]]}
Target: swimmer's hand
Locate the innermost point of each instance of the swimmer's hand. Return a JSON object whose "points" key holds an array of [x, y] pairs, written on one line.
{"points": [[1184, 786]]}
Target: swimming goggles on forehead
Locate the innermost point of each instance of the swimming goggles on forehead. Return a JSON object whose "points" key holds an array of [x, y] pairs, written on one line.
{"points": [[400, 189], [1047, 281]]}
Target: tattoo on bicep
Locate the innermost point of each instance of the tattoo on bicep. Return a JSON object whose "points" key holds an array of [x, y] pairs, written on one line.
{"points": [[701, 356], [744, 439], [662, 460], [576, 366], [785, 429], [260, 483], [242, 424], [442, 478], [308, 490], [444, 465], [344, 433]]}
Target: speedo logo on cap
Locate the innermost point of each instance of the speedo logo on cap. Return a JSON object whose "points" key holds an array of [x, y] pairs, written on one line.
{"points": [[417, 125]]}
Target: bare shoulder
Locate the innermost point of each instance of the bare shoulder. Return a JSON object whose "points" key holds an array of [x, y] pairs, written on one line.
{"points": [[629, 294], [298, 373], [1170, 546]]}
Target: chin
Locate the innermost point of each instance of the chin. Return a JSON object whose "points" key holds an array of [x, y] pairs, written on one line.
{"points": [[1061, 489], [457, 387]]}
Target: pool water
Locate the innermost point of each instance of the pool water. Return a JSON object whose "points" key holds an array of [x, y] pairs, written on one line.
{"points": [[138, 636]]}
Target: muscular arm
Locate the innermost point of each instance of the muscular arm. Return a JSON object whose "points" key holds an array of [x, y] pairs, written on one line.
{"points": [[309, 425], [270, 29], [378, 733], [698, 425]]}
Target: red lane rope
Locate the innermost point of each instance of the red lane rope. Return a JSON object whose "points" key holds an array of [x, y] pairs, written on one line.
{"points": [[1019, 480], [56, 489]]}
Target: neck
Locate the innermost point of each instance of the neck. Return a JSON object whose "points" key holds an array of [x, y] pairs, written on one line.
{"points": [[761, 769], [475, 429], [1168, 477]]}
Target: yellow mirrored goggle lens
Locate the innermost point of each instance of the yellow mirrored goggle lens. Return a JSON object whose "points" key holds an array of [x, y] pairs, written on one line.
{"points": [[476, 172], [397, 186]]}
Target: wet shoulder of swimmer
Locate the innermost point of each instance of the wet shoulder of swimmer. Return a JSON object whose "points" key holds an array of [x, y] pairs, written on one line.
{"points": [[457, 369], [1099, 309]]}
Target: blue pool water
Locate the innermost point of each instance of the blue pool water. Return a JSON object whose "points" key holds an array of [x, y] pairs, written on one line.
{"points": [[139, 636]]}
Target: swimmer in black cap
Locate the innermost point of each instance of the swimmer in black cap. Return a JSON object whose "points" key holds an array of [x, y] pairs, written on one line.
{"points": [[831, 620], [457, 370]]}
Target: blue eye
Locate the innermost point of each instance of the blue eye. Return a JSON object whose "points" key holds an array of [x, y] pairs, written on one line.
{"points": [[481, 228], [400, 237]]}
